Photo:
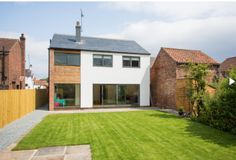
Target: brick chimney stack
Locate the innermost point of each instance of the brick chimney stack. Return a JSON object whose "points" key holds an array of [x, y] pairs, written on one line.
{"points": [[22, 44], [77, 32]]}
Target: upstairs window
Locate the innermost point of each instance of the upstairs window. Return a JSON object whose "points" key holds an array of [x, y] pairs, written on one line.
{"points": [[102, 60], [133, 62], [67, 59]]}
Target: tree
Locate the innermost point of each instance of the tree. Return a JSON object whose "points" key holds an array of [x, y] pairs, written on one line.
{"points": [[196, 73]]}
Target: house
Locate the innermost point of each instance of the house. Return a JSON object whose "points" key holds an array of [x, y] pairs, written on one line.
{"points": [[89, 72], [168, 76], [29, 78], [12, 63], [40, 84], [227, 65]]}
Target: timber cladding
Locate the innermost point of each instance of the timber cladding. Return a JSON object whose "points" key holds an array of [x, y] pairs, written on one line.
{"points": [[61, 74], [66, 74], [181, 98], [17, 103]]}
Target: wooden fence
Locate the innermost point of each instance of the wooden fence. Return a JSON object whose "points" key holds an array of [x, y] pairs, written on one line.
{"points": [[181, 98], [15, 104]]}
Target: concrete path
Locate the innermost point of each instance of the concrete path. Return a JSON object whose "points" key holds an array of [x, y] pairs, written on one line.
{"points": [[79, 152], [12, 133]]}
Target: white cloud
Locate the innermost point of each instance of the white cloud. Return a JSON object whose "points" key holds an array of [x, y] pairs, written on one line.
{"points": [[176, 10], [216, 35], [37, 51]]}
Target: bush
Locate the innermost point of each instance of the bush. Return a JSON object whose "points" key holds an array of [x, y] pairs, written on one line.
{"points": [[181, 111], [220, 110]]}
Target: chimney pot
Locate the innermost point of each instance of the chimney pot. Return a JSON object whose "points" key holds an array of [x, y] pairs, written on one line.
{"points": [[22, 37]]}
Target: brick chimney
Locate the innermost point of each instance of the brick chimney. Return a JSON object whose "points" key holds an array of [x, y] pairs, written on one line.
{"points": [[22, 44], [77, 32]]}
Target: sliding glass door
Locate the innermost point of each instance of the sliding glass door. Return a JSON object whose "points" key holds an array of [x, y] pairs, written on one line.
{"points": [[67, 95], [115, 94], [109, 94]]}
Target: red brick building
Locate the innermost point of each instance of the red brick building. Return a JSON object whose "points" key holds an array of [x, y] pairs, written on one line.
{"points": [[13, 71], [168, 73], [227, 65]]}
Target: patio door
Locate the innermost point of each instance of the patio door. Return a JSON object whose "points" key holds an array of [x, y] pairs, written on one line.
{"points": [[115, 94]]}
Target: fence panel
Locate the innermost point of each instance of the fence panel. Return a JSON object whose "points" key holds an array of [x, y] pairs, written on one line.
{"points": [[15, 104]]}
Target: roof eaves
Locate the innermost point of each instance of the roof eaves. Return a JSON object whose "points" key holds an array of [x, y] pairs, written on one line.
{"points": [[73, 49]]}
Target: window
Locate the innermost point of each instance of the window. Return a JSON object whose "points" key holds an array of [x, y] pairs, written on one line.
{"points": [[102, 60], [133, 62], [68, 59]]}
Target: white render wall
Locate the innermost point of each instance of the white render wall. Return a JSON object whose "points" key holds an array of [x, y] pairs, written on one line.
{"points": [[113, 75]]}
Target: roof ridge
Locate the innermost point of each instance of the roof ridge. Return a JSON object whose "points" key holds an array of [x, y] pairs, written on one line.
{"points": [[230, 57], [182, 49], [10, 39]]}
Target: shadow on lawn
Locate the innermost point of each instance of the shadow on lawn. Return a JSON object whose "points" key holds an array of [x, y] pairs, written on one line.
{"points": [[210, 134], [164, 115], [202, 131]]}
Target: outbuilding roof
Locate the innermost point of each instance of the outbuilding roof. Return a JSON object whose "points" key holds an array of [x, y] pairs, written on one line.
{"points": [[189, 56], [228, 64], [60, 41]]}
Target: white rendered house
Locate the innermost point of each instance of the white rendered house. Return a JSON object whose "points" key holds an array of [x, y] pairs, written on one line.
{"points": [[87, 72]]}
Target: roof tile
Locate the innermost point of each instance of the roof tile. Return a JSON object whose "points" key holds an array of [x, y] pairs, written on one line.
{"points": [[7, 43], [189, 56], [60, 41], [228, 64]]}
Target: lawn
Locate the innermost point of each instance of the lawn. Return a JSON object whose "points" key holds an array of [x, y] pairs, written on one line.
{"points": [[139, 135]]}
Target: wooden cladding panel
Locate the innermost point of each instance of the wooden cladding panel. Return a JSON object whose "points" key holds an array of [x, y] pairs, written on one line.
{"points": [[66, 74]]}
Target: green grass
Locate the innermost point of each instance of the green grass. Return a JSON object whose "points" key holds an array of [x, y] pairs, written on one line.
{"points": [[140, 135]]}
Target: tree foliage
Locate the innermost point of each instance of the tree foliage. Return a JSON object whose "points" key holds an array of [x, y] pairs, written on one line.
{"points": [[196, 73], [220, 109]]}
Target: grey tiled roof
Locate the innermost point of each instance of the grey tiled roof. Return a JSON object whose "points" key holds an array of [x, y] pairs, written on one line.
{"points": [[60, 41]]}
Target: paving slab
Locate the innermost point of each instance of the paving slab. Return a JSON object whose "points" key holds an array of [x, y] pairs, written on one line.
{"points": [[55, 157], [17, 155], [79, 152], [77, 149], [77, 157], [51, 151]]}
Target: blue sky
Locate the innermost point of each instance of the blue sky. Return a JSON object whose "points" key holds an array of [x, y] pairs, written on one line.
{"points": [[210, 27]]}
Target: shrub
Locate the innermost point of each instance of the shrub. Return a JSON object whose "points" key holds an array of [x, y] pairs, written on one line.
{"points": [[181, 111], [220, 110]]}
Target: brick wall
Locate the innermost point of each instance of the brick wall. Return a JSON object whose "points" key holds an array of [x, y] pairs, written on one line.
{"points": [[14, 66], [163, 75]]}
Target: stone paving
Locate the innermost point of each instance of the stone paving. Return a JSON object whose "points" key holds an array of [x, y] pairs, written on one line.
{"points": [[79, 152]]}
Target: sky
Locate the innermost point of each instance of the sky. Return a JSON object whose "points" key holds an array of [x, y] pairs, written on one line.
{"points": [[206, 26]]}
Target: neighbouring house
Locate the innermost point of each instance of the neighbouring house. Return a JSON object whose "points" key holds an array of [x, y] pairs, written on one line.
{"points": [[168, 82], [12, 63], [40, 84], [227, 65], [87, 72], [29, 78]]}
